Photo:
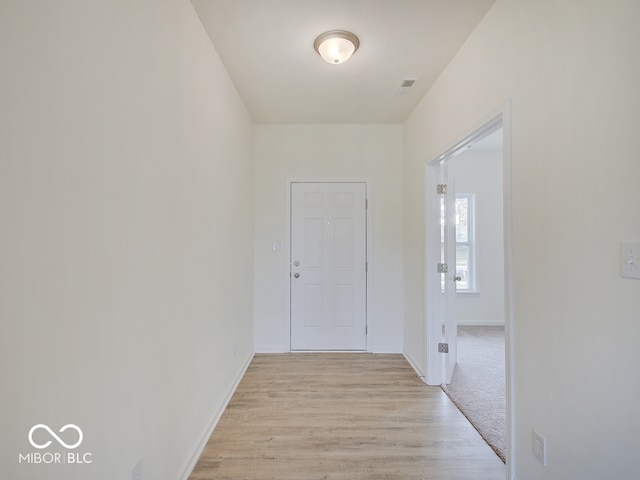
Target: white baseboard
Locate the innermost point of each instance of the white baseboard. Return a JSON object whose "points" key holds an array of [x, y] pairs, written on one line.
{"points": [[414, 365], [214, 421], [386, 349], [281, 349], [481, 323]]}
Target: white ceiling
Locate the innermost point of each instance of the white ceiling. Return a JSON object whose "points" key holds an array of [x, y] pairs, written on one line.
{"points": [[267, 48]]}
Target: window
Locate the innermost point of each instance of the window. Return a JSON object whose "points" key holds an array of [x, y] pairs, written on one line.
{"points": [[465, 251]]}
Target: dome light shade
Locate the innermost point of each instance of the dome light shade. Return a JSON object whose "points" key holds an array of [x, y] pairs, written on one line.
{"points": [[336, 46]]}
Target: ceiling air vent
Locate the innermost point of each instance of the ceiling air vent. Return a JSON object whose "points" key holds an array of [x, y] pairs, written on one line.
{"points": [[404, 87]]}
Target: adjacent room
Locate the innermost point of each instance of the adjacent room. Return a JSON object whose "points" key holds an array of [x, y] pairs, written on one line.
{"points": [[175, 175]]}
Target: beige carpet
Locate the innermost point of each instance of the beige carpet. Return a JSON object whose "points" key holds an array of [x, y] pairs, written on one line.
{"points": [[478, 385]]}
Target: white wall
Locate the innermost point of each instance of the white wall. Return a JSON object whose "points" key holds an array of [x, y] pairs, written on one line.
{"points": [[480, 173], [126, 245], [571, 70], [283, 152]]}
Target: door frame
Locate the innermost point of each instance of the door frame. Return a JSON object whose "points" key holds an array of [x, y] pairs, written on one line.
{"points": [[434, 360], [287, 251]]}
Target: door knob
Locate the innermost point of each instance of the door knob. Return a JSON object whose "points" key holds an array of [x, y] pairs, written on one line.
{"points": [[296, 275], [457, 279]]}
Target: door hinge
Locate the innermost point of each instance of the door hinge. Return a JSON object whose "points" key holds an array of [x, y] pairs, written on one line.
{"points": [[443, 268], [366, 329], [366, 267], [443, 348], [366, 204], [442, 188]]}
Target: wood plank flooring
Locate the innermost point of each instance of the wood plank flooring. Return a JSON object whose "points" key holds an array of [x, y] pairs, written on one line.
{"points": [[342, 416]]}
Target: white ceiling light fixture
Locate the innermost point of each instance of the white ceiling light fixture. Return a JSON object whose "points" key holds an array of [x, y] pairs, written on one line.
{"points": [[336, 46]]}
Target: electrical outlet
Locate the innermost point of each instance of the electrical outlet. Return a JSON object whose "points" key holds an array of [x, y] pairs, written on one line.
{"points": [[540, 448], [136, 470], [630, 260]]}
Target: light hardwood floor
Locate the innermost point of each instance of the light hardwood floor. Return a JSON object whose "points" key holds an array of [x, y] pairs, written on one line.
{"points": [[342, 416]]}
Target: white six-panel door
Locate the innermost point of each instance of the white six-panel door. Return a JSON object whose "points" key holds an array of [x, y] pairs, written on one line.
{"points": [[328, 266]]}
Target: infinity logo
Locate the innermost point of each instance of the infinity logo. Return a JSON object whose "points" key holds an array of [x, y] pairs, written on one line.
{"points": [[58, 439]]}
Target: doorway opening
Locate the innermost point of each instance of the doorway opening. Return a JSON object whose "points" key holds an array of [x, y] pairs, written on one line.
{"points": [[468, 276], [477, 386]]}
